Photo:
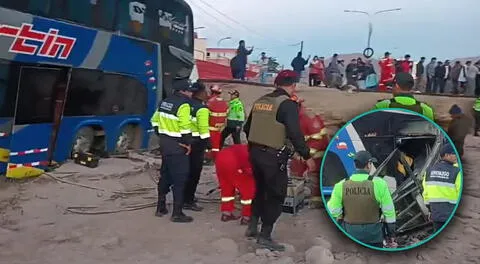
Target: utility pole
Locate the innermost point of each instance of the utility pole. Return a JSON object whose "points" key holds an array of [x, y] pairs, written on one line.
{"points": [[301, 46]]}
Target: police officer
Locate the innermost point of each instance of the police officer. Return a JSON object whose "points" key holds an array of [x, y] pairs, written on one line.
{"points": [[441, 186], [403, 98], [476, 114], [172, 123], [357, 203], [273, 120], [200, 142]]}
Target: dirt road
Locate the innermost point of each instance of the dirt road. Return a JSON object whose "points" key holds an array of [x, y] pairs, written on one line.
{"points": [[36, 229]]}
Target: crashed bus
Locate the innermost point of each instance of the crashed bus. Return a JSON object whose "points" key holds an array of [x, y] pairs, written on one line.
{"points": [[79, 76], [397, 139]]}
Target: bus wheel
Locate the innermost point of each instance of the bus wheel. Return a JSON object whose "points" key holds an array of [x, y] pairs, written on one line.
{"points": [[129, 138], [83, 140]]}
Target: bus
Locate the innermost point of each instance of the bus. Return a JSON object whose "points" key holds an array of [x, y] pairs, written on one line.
{"points": [[85, 76]]}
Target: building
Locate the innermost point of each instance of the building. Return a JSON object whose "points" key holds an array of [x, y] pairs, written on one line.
{"points": [[221, 55]]}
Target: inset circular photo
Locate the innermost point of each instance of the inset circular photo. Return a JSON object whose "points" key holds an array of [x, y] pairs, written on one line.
{"points": [[391, 179]]}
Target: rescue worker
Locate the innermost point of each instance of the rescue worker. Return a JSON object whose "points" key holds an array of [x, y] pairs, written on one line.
{"points": [[218, 118], [200, 143], [172, 123], [476, 115], [458, 128], [356, 202], [234, 172], [273, 120], [387, 72], [235, 118], [441, 187], [403, 97], [317, 139], [404, 164]]}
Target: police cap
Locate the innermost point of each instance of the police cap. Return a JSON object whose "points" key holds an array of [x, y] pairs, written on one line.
{"points": [[363, 158], [447, 149], [181, 84], [286, 78], [405, 80]]}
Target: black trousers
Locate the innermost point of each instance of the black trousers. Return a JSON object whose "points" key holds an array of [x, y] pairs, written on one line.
{"points": [[430, 88], [230, 131], [477, 121], [477, 85], [197, 156], [174, 173], [439, 85], [270, 182]]}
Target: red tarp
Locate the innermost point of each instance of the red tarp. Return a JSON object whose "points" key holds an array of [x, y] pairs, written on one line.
{"points": [[213, 71]]}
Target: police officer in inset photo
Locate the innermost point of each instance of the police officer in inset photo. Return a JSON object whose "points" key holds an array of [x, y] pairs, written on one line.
{"points": [[441, 187], [172, 123], [359, 202], [403, 97], [273, 121]]}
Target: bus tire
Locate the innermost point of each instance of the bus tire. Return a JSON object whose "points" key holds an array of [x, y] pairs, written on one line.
{"points": [[83, 140], [130, 137]]}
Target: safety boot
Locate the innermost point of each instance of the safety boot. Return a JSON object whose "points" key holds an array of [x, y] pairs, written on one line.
{"points": [[192, 207], [229, 217], [161, 206], [245, 220], [178, 216], [252, 229], [264, 240]]}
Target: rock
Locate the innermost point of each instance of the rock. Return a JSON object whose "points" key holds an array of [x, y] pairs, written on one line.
{"points": [[110, 243], [320, 241], [288, 248], [351, 260], [262, 252], [226, 245], [319, 255], [284, 260]]}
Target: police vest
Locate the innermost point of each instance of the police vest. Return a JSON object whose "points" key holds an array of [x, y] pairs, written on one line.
{"points": [[440, 183], [417, 107], [264, 128], [359, 203], [476, 106]]}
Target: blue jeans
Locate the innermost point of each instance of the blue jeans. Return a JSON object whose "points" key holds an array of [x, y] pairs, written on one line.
{"points": [[263, 76]]}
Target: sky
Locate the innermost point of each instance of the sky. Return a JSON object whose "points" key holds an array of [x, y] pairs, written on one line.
{"points": [[440, 28]]}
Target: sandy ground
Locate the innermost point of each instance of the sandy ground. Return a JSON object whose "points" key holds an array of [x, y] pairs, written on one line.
{"points": [[36, 228]]}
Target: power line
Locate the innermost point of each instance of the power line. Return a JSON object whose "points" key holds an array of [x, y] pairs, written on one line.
{"points": [[236, 22]]}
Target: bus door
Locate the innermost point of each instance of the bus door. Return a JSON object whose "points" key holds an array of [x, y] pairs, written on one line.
{"points": [[38, 112]]}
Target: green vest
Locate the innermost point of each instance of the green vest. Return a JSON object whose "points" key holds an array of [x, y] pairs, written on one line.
{"points": [[407, 102], [359, 203], [235, 110], [476, 106], [265, 129]]}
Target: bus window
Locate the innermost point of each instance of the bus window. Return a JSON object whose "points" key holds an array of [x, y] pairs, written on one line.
{"points": [[35, 7], [132, 19], [8, 88], [93, 92], [91, 13], [36, 98], [174, 25]]}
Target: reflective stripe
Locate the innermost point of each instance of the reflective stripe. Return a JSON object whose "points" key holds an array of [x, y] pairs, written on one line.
{"points": [[318, 135], [223, 114], [185, 131], [155, 124], [215, 149], [30, 151], [246, 202], [443, 184], [204, 136], [390, 220], [168, 116], [32, 164], [168, 133], [195, 134], [442, 200], [315, 153], [228, 199], [336, 211], [388, 208]]}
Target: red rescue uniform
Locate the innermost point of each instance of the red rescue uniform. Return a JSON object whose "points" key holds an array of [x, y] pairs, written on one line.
{"points": [[234, 172], [217, 121], [387, 73], [313, 127]]}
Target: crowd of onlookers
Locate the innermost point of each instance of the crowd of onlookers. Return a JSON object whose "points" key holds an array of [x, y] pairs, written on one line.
{"points": [[434, 77]]}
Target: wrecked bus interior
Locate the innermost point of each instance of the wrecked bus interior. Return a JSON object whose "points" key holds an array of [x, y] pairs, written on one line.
{"points": [[404, 144]]}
